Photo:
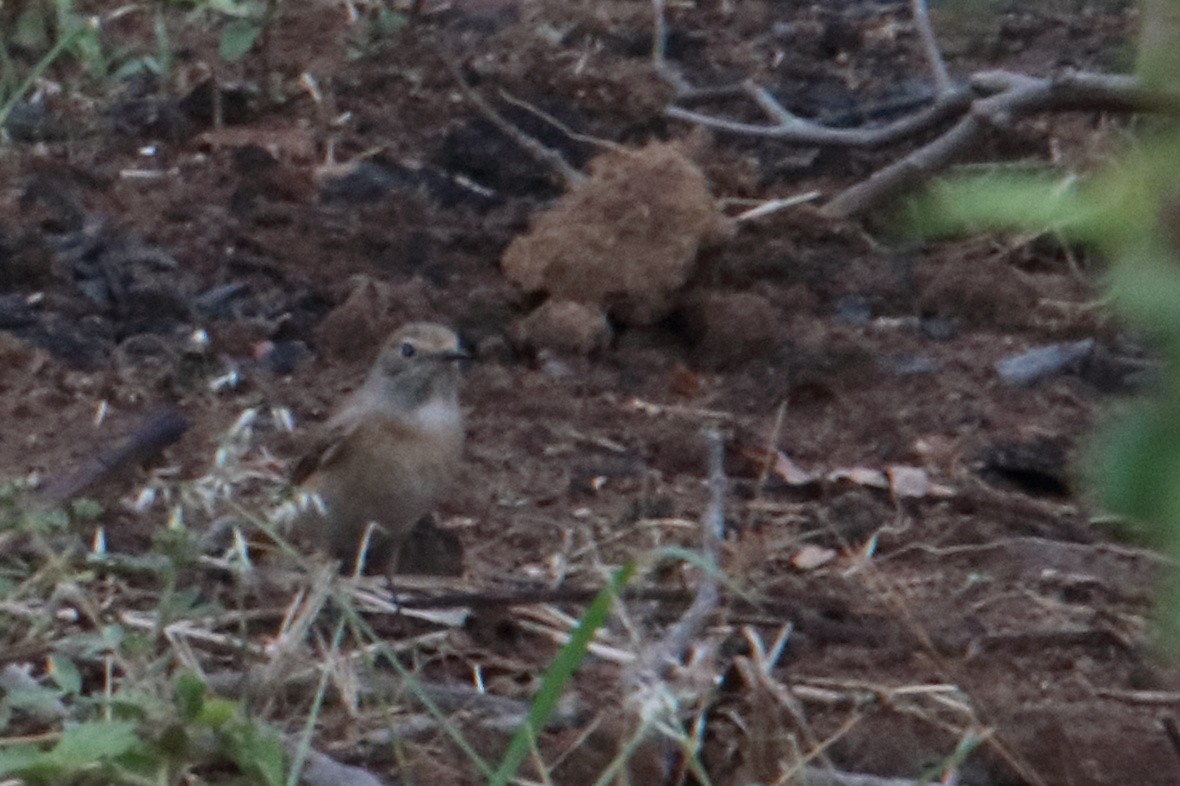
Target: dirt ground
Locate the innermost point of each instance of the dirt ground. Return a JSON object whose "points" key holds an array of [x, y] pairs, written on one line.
{"points": [[992, 606]]}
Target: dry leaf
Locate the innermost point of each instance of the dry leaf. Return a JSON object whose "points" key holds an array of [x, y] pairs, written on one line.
{"points": [[811, 557], [910, 482], [861, 476]]}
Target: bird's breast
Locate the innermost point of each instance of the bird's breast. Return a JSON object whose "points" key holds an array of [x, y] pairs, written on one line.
{"points": [[440, 416]]}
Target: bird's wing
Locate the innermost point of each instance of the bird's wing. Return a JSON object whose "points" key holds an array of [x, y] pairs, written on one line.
{"points": [[328, 446]]}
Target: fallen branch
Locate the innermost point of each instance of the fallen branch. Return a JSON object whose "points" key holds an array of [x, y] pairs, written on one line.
{"points": [[990, 100], [789, 127], [1012, 95], [150, 437]]}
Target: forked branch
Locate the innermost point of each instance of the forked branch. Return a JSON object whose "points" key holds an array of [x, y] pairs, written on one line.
{"points": [[990, 100]]}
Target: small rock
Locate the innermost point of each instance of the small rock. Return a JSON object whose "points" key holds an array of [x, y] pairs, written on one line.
{"points": [[1028, 368], [908, 365], [216, 302], [15, 312], [1038, 466], [938, 328], [554, 367], [360, 182], [730, 327], [855, 310], [565, 327], [281, 357]]}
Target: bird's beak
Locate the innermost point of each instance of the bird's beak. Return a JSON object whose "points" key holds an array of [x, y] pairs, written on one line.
{"points": [[455, 354]]}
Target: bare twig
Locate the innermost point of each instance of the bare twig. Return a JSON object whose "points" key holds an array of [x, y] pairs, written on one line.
{"points": [[543, 155], [156, 432], [942, 79], [560, 126], [949, 100], [659, 47], [1009, 96], [679, 637], [993, 100], [792, 128], [775, 205], [815, 776], [1172, 732]]}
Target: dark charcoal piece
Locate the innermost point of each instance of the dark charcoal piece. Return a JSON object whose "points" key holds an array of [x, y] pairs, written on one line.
{"points": [[150, 116], [84, 344], [854, 309], [29, 122], [479, 151], [15, 312], [938, 328], [152, 435], [153, 308], [908, 365], [63, 210], [430, 550], [283, 357], [217, 303], [237, 104], [368, 181], [1112, 373], [26, 262], [1039, 467]]}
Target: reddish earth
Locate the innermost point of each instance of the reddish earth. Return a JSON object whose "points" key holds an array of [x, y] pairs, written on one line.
{"points": [[840, 347]]}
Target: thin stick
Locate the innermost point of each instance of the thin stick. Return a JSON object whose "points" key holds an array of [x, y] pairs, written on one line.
{"points": [[942, 79], [543, 155], [659, 52], [680, 636], [1168, 724], [1009, 96], [156, 432]]}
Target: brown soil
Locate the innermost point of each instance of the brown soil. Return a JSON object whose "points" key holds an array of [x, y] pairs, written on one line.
{"points": [[835, 347]]}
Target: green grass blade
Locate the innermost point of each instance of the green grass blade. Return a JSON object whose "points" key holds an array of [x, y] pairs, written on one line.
{"points": [[560, 670], [63, 43]]}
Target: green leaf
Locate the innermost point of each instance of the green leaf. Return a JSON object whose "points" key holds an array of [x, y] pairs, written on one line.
{"points": [[36, 699], [190, 696], [48, 520], [258, 750], [1146, 287], [65, 675], [89, 743], [1126, 467], [239, 9], [18, 759], [216, 712], [31, 30], [86, 509], [237, 38], [390, 21], [559, 673], [998, 202]]}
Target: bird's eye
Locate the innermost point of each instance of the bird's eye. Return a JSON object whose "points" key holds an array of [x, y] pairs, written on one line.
{"points": [[408, 350]]}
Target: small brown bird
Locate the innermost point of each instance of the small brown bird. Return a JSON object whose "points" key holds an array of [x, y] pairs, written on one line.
{"points": [[388, 452]]}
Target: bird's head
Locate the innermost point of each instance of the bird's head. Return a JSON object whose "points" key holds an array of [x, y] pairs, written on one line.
{"points": [[417, 363]]}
